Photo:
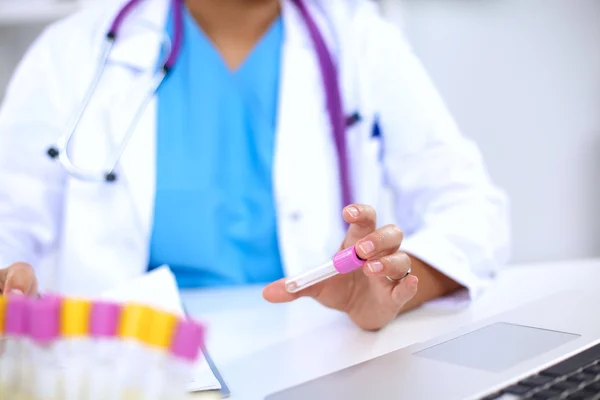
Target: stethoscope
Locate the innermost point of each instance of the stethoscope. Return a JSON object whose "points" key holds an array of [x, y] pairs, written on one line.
{"points": [[329, 77]]}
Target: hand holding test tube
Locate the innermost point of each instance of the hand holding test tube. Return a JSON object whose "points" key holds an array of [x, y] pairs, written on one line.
{"points": [[372, 272]]}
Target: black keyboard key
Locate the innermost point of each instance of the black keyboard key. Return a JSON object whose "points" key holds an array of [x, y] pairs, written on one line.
{"points": [[565, 385], [536, 380], [572, 364], [492, 396], [582, 377], [517, 389], [594, 387], [547, 394], [584, 395], [588, 390], [593, 369]]}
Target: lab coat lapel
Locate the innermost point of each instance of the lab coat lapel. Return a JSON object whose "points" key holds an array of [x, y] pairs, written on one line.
{"points": [[135, 56], [306, 185]]}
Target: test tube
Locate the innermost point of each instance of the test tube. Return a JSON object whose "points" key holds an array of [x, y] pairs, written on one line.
{"points": [[103, 330], [14, 352], [185, 349], [3, 393], [158, 342], [134, 324], [343, 262], [75, 347], [44, 321]]}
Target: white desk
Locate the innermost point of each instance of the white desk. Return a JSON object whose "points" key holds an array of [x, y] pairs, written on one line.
{"points": [[261, 348]]}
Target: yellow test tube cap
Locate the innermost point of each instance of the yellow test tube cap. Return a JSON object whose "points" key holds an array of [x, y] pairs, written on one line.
{"points": [[135, 322], [2, 312], [75, 317], [162, 329]]}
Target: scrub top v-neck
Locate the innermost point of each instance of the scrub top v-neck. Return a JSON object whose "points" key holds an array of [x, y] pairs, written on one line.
{"points": [[214, 216]]}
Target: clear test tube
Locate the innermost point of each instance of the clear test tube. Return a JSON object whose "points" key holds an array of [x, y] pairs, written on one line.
{"points": [[3, 393], [158, 342], [44, 328], [75, 348], [185, 350], [130, 371], [15, 354], [343, 262], [106, 351]]}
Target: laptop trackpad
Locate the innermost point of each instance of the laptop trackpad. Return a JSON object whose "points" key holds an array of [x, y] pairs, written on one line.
{"points": [[497, 347]]}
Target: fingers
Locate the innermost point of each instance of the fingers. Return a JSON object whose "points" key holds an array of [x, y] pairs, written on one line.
{"points": [[405, 290], [362, 220], [383, 241], [19, 278], [395, 266]]}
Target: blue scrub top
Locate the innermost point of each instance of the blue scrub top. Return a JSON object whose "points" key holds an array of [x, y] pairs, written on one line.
{"points": [[214, 217]]}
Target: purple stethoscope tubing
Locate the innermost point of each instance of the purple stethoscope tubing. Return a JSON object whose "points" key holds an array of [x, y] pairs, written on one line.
{"points": [[329, 77]]}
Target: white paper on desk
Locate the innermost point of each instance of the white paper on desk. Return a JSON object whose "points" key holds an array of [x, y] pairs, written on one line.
{"points": [[158, 288]]}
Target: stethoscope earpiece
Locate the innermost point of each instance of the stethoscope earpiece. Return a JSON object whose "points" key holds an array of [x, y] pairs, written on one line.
{"points": [[53, 152], [110, 177]]}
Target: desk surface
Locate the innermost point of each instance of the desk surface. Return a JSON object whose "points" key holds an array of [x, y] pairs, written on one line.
{"points": [[261, 348]]}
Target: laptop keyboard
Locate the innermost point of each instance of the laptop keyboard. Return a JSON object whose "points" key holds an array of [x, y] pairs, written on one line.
{"points": [[576, 378]]}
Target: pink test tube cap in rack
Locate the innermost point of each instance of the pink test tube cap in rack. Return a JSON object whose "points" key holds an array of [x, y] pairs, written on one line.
{"points": [[16, 319], [105, 319], [187, 340], [44, 319]]}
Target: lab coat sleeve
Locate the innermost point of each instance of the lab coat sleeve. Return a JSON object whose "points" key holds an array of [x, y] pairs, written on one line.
{"points": [[32, 116], [454, 218]]}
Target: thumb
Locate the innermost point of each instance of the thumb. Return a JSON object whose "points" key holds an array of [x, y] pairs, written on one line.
{"points": [[19, 278], [275, 292]]}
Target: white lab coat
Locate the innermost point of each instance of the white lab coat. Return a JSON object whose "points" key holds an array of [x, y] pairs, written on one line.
{"points": [[86, 237]]}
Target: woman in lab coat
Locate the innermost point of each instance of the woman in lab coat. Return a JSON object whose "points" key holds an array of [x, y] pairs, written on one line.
{"points": [[231, 174]]}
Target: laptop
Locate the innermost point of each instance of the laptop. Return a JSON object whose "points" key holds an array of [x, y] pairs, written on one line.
{"points": [[549, 349]]}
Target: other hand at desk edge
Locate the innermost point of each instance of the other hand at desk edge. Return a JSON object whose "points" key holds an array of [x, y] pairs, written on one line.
{"points": [[366, 295], [19, 278]]}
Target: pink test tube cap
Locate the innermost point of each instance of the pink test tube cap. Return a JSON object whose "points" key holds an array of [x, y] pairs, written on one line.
{"points": [[44, 319], [105, 319], [17, 309], [188, 340], [347, 261]]}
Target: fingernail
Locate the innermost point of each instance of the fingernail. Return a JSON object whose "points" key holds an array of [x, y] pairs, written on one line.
{"points": [[366, 247], [375, 266], [353, 211], [16, 291]]}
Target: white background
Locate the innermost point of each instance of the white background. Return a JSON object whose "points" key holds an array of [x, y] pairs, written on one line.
{"points": [[522, 78]]}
